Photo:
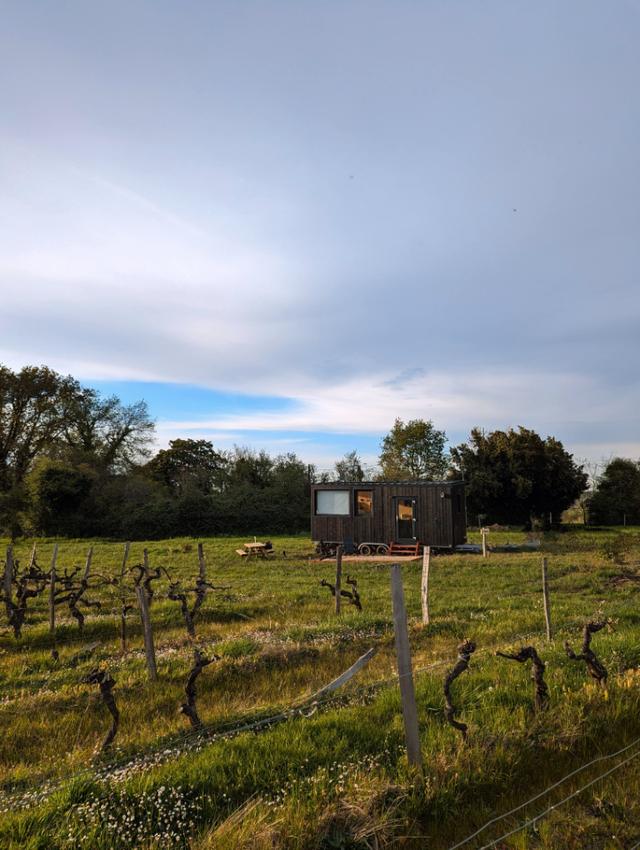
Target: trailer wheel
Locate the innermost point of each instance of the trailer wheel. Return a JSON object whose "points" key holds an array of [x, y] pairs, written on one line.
{"points": [[382, 549], [365, 549]]}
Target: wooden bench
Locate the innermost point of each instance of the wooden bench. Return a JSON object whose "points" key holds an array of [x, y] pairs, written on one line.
{"points": [[256, 550]]}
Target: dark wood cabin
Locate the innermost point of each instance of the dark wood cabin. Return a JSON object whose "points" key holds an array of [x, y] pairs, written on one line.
{"points": [[429, 513]]}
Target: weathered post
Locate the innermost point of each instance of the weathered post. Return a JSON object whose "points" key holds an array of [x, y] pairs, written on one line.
{"points": [[405, 673], [145, 564], [149, 649], [125, 558], [338, 577], [87, 565], [123, 599], [7, 583], [545, 597], [201, 562], [484, 542], [52, 591], [424, 589]]}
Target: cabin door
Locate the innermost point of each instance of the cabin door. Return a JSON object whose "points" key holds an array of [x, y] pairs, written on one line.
{"points": [[405, 513]]}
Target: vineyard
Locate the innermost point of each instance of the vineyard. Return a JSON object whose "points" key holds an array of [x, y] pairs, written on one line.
{"points": [[222, 734]]}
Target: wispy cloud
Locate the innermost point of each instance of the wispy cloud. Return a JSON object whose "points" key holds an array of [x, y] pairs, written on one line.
{"points": [[364, 215]]}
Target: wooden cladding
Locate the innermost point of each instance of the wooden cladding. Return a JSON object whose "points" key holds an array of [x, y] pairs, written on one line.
{"points": [[438, 516]]}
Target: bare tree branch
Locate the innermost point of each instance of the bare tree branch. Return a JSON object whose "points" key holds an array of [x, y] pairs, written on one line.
{"points": [[106, 683], [352, 596], [465, 651], [528, 653], [189, 707], [596, 669]]}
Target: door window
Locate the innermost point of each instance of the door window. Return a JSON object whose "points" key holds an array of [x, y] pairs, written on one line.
{"points": [[405, 519], [364, 502]]}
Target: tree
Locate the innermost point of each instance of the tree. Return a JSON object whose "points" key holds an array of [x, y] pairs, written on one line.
{"points": [[34, 405], [617, 494], [291, 491], [517, 477], [106, 433], [413, 451], [249, 467], [60, 499], [188, 464], [350, 468]]}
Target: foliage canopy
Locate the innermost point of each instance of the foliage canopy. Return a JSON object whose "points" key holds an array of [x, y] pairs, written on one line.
{"points": [[414, 450], [517, 477], [616, 498], [349, 468]]}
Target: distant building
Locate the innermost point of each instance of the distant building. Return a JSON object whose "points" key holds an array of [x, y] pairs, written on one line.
{"points": [[372, 515]]}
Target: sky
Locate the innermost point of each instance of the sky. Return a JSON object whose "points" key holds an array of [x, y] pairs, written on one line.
{"points": [[285, 224]]}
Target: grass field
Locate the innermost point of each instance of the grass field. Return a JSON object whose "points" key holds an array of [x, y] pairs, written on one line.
{"points": [[334, 776]]}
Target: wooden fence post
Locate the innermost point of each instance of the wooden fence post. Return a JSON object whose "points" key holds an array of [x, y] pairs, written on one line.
{"points": [[123, 598], [338, 577], [8, 576], [484, 542], [201, 562], [149, 649], [405, 673], [424, 589], [545, 597], [52, 591], [87, 565]]}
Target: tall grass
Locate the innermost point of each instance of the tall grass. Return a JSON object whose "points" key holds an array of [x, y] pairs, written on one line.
{"points": [[337, 778]]}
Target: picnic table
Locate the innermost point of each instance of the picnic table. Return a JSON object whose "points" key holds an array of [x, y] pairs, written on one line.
{"points": [[255, 550]]}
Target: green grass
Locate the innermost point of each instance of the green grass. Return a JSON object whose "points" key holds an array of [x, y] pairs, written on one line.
{"points": [[337, 778]]}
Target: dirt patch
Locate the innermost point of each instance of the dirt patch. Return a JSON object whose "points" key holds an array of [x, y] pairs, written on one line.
{"points": [[625, 578]]}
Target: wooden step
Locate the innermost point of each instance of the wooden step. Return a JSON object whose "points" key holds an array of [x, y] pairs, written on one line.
{"points": [[404, 549]]}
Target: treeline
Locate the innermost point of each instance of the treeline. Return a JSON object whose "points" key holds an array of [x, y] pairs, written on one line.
{"points": [[250, 493], [74, 463], [615, 499]]}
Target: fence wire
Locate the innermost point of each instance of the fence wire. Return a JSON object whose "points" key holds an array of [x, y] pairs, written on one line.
{"points": [[548, 790]]}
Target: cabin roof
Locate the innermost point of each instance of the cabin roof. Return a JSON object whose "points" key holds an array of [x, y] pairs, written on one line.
{"points": [[337, 485]]}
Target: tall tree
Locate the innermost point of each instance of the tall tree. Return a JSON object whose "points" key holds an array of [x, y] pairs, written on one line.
{"points": [[188, 464], [349, 468], [34, 406], [249, 467], [617, 494], [517, 477], [106, 433], [414, 450]]}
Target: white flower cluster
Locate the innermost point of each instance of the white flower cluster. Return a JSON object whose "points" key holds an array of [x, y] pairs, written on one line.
{"points": [[164, 816], [329, 782]]}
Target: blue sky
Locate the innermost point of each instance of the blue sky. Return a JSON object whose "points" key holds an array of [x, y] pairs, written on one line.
{"points": [[286, 223]]}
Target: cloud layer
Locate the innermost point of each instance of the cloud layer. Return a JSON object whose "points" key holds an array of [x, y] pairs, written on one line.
{"points": [[370, 209]]}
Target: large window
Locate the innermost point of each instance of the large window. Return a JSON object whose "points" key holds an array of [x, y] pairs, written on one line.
{"points": [[364, 502], [333, 502]]}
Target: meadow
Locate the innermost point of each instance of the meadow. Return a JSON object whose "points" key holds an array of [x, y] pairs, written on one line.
{"points": [[334, 775]]}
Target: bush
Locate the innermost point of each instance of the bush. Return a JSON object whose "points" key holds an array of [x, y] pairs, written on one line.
{"points": [[617, 548]]}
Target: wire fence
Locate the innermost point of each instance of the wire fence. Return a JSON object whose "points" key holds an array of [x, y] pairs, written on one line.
{"points": [[548, 790]]}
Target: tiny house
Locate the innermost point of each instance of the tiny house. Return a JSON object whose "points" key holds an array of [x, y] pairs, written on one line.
{"points": [[374, 515]]}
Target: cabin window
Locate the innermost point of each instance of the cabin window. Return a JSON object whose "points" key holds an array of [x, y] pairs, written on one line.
{"points": [[332, 502], [364, 502]]}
